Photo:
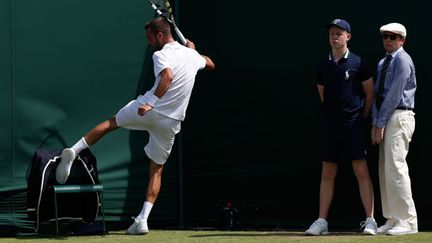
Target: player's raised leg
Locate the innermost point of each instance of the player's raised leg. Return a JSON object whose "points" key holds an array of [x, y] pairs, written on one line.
{"points": [[69, 154]]}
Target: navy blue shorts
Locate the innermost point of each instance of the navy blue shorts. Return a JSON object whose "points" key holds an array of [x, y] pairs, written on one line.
{"points": [[340, 141]]}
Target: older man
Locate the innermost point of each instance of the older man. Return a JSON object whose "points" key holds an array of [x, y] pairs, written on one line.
{"points": [[393, 125]]}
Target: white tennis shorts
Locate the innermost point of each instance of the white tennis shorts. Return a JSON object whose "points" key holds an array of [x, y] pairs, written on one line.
{"points": [[161, 129]]}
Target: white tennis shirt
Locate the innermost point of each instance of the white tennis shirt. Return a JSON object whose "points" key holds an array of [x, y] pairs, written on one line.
{"points": [[184, 63]]}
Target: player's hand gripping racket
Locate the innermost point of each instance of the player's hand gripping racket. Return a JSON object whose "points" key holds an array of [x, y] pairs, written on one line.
{"points": [[163, 8]]}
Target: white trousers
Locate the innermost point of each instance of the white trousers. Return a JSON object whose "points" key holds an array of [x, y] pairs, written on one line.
{"points": [[395, 184]]}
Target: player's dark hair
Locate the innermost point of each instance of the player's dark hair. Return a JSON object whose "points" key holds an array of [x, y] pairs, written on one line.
{"points": [[159, 24]]}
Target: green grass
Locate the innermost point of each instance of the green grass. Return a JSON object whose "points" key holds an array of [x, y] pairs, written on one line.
{"points": [[187, 236]]}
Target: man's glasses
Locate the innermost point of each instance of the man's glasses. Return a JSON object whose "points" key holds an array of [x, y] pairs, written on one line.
{"points": [[392, 37]]}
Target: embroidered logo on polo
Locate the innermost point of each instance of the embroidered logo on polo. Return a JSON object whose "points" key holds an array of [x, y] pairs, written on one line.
{"points": [[350, 74]]}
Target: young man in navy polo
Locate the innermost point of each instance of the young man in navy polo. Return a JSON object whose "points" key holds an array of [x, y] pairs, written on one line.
{"points": [[345, 86]]}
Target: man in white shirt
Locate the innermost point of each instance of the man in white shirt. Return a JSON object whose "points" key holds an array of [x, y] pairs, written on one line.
{"points": [[159, 111]]}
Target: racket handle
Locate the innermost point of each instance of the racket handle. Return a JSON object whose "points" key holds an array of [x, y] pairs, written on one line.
{"points": [[180, 35]]}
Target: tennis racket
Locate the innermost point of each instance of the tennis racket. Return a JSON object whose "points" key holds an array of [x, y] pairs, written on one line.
{"points": [[163, 8]]}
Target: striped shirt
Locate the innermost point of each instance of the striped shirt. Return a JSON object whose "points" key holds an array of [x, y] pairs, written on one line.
{"points": [[399, 87]]}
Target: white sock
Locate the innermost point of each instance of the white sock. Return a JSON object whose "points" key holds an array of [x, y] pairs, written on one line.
{"points": [[145, 211], [80, 146]]}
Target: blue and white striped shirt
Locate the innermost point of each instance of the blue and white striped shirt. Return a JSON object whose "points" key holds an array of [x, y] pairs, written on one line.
{"points": [[399, 87]]}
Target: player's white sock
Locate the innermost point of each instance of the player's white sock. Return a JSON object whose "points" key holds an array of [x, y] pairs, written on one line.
{"points": [[80, 146], [145, 211]]}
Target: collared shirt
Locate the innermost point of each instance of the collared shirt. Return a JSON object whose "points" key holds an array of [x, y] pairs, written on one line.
{"points": [[399, 87], [342, 81]]}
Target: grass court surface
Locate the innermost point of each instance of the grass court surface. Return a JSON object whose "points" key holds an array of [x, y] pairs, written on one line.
{"points": [[188, 236]]}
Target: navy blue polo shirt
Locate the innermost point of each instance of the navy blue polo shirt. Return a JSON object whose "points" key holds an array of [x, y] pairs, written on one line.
{"points": [[342, 81]]}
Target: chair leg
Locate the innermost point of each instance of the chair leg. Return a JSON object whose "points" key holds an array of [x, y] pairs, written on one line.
{"points": [[79, 189], [55, 208], [103, 212]]}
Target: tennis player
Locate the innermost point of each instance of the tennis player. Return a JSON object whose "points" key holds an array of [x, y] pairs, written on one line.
{"points": [[159, 111]]}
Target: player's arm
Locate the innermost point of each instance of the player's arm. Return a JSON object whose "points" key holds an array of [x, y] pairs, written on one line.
{"points": [[209, 63], [164, 84]]}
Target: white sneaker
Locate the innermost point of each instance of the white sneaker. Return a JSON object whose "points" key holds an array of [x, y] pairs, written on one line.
{"points": [[319, 227], [370, 226], [385, 227], [400, 230], [63, 169], [139, 227]]}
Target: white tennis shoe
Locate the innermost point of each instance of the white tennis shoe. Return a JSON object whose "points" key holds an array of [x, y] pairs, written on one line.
{"points": [[63, 169], [385, 227], [369, 226], [400, 230], [319, 227], [139, 227]]}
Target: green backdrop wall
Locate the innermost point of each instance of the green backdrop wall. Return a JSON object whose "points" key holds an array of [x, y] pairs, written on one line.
{"points": [[251, 130]]}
